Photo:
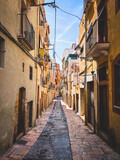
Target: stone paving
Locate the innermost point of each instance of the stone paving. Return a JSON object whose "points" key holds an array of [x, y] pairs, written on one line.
{"points": [[22, 146], [86, 145], [54, 142]]}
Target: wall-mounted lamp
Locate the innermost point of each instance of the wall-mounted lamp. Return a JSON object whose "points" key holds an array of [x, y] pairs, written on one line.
{"points": [[78, 49]]}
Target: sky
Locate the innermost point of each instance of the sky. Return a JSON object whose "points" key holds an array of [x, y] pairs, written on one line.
{"points": [[67, 27]]}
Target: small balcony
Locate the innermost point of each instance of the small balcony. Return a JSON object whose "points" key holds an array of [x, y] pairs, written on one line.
{"points": [[24, 4], [33, 2], [27, 34], [42, 29], [44, 82], [41, 60], [46, 39], [87, 4], [97, 43]]}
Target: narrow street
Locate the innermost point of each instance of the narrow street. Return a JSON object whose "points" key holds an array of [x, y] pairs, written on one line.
{"points": [[53, 142], [60, 135]]}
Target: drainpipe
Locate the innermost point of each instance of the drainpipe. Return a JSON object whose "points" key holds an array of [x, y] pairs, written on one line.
{"points": [[85, 70]]}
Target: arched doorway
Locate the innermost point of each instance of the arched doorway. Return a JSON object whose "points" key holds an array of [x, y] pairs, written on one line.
{"points": [[21, 111]]}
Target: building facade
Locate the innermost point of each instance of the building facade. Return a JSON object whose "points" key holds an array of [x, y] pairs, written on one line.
{"points": [[24, 68], [101, 72]]}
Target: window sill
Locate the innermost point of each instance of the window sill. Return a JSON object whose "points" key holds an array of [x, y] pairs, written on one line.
{"points": [[116, 109]]}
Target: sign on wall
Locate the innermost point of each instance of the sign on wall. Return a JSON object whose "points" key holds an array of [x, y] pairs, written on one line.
{"points": [[41, 52]]}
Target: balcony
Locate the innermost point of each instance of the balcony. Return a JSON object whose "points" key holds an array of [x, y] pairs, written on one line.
{"points": [[33, 2], [44, 82], [27, 34], [97, 43], [41, 60], [46, 39], [87, 4], [42, 29], [24, 4]]}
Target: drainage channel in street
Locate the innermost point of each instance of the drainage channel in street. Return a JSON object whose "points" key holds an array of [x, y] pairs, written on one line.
{"points": [[54, 142]]}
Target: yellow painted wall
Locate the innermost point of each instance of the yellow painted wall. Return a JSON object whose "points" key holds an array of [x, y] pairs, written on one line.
{"points": [[12, 78], [114, 39]]}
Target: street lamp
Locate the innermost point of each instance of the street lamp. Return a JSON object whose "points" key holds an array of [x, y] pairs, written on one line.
{"points": [[78, 49]]}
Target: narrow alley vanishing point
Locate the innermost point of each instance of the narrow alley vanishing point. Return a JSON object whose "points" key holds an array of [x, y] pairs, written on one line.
{"points": [[60, 135]]}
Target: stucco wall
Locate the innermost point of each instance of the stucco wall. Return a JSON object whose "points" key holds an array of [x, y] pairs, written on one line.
{"points": [[12, 79], [114, 39]]}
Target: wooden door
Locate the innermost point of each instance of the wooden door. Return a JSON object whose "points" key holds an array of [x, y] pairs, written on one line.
{"points": [[38, 105], [91, 105], [77, 102], [21, 111], [103, 109], [29, 114], [73, 102]]}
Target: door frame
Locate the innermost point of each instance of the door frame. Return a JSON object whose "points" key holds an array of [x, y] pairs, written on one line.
{"points": [[22, 92], [102, 83], [90, 110]]}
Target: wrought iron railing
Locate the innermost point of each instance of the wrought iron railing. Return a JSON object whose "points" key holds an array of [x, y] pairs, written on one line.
{"points": [[85, 2], [27, 30], [94, 36], [40, 57], [44, 82]]}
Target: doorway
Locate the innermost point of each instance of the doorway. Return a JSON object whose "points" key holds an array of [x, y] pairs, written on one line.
{"points": [[103, 109], [77, 102], [103, 100], [73, 101], [29, 114], [91, 104], [38, 105], [21, 111]]}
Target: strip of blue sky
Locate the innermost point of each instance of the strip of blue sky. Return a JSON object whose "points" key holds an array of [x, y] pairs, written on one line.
{"points": [[67, 26]]}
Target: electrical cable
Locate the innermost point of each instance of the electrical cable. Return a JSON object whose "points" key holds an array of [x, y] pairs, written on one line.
{"points": [[83, 23], [70, 14], [54, 32]]}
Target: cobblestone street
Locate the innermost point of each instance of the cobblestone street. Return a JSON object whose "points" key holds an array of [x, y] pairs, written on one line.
{"points": [[60, 134]]}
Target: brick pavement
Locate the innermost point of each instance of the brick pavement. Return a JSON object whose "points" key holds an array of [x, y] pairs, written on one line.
{"points": [[54, 142], [84, 144], [18, 151]]}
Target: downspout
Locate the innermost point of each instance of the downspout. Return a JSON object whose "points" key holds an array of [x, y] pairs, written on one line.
{"points": [[85, 70], [36, 86]]}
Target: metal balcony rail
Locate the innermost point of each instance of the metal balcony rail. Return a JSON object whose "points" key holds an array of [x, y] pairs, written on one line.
{"points": [[40, 57], [33, 2], [44, 82], [85, 2], [42, 23], [94, 36], [27, 30], [41, 12]]}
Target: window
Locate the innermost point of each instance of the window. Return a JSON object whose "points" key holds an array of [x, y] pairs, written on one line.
{"points": [[102, 74], [2, 52], [23, 66], [31, 73], [116, 84], [117, 5]]}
